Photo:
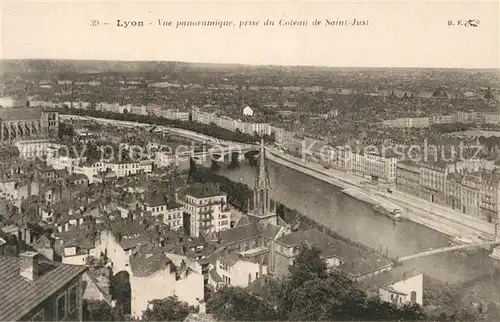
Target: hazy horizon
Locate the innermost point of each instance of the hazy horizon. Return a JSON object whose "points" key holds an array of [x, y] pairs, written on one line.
{"points": [[238, 64]]}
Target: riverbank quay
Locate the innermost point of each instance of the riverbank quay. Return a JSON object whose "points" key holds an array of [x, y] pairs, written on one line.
{"points": [[239, 194], [420, 211]]}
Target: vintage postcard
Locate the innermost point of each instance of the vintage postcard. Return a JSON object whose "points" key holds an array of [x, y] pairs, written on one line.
{"points": [[249, 160]]}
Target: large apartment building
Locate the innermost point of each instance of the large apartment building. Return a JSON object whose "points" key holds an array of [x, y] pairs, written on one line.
{"points": [[167, 209], [457, 117], [207, 208], [372, 165], [377, 167], [79, 165], [471, 187]]}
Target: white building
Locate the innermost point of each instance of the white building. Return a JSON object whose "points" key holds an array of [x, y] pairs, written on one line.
{"points": [[164, 159], [225, 122], [175, 114], [169, 210], [108, 107], [377, 167], [7, 102], [34, 103], [247, 111], [207, 208], [41, 148], [81, 105], [63, 162], [338, 157], [121, 169], [397, 287], [235, 271], [153, 274], [259, 128], [138, 110], [204, 117]]}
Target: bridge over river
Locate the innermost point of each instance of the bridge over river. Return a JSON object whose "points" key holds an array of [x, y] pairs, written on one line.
{"points": [[446, 249]]}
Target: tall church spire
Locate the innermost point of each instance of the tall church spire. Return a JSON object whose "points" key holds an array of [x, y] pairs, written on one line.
{"points": [[261, 200], [262, 165]]}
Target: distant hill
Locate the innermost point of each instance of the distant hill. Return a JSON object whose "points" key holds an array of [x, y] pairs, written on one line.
{"points": [[207, 73], [99, 66]]}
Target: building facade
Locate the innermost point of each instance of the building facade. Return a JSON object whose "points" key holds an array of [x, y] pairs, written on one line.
{"points": [[408, 178], [377, 167], [207, 209], [22, 123]]}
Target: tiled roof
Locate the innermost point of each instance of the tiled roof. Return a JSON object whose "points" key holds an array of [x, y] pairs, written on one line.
{"points": [[42, 242], [358, 260], [11, 114], [77, 176], [155, 201], [205, 190], [131, 242], [215, 276], [229, 259], [239, 233], [271, 231], [296, 238], [77, 237], [102, 292], [19, 295], [145, 264], [388, 278], [172, 204]]}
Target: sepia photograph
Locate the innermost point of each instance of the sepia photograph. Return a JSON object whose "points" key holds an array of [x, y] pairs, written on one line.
{"points": [[249, 160]]}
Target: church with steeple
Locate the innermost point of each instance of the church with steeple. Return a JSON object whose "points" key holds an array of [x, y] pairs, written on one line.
{"points": [[263, 210]]}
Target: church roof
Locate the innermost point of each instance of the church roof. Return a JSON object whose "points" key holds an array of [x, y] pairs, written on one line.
{"points": [[239, 233], [14, 114]]}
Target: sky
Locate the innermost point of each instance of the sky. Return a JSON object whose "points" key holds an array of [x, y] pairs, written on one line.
{"points": [[398, 34]]}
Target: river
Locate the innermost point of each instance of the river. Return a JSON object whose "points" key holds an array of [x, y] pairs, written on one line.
{"points": [[356, 220]]}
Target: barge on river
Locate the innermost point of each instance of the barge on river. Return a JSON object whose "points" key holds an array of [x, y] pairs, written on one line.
{"points": [[394, 214]]}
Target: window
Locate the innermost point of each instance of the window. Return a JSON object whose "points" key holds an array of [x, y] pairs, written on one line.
{"points": [[40, 316], [73, 298], [61, 307]]}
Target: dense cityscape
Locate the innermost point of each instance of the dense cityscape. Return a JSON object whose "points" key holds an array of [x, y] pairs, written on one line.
{"points": [[201, 192]]}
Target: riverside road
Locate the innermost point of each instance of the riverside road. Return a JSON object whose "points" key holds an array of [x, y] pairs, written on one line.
{"points": [[356, 220]]}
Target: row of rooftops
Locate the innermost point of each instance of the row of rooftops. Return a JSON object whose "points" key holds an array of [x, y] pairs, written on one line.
{"points": [[358, 261], [480, 177]]}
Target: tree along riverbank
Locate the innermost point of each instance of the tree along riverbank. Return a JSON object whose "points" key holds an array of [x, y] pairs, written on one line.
{"points": [[239, 195], [207, 129]]}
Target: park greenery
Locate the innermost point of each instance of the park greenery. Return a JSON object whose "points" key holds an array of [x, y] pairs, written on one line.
{"points": [[309, 293]]}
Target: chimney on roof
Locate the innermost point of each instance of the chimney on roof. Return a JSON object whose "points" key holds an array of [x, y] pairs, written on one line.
{"points": [[29, 265], [202, 309]]}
